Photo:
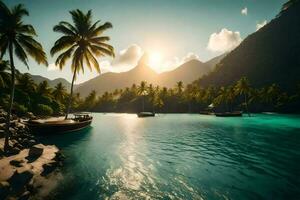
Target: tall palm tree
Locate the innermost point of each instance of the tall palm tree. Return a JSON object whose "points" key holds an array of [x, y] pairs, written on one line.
{"points": [[142, 91], [59, 92], [17, 38], [179, 87], [242, 87], [4, 74], [81, 42]]}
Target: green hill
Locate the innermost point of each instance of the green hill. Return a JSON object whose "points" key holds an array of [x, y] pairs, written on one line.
{"points": [[270, 55]]}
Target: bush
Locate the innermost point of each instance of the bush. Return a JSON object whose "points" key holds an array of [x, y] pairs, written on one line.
{"points": [[43, 110], [57, 107], [20, 110]]}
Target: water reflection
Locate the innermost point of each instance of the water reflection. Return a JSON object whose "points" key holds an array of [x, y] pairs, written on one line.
{"points": [[132, 175]]}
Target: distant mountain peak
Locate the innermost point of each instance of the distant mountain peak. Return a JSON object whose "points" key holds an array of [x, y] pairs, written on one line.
{"points": [[144, 60]]}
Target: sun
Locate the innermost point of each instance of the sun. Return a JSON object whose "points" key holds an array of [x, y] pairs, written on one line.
{"points": [[155, 59]]}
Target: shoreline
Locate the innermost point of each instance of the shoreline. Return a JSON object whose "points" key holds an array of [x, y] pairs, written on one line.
{"points": [[26, 171]]}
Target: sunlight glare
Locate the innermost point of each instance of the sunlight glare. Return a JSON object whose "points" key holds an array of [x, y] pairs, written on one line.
{"points": [[155, 59]]}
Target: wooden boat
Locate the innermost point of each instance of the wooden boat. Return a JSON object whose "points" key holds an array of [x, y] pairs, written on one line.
{"points": [[146, 114], [80, 121], [230, 114], [206, 113]]}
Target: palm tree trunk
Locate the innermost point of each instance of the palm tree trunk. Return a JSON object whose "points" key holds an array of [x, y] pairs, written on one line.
{"points": [[71, 94], [143, 103], [11, 98], [246, 104]]}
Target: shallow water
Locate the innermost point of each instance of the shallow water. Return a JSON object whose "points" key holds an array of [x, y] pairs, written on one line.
{"points": [[181, 156]]}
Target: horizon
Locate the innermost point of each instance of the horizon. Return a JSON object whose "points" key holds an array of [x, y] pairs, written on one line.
{"points": [[203, 32]]}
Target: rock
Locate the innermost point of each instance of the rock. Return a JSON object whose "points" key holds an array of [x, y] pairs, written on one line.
{"points": [[24, 196], [2, 120], [2, 126], [30, 115], [14, 150], [2, 133], [4, 188], [19, 180], [31, 142], [34, 153], [48, 168], [12, 131], [16, 163], [25, 142]]}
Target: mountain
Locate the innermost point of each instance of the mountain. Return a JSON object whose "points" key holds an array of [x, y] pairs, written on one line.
{"points": [[187, 72], [52, 83], [270, 55]]}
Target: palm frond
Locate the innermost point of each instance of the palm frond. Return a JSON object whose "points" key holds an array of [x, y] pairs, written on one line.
{"points": [[20, 53], [63, 43], [33, 48], [62, 28], [62, 58]]}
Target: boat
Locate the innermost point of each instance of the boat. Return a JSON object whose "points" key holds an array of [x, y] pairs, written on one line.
{"points": [[230, 114], [80, 121], [206, 113], [146, 114]]}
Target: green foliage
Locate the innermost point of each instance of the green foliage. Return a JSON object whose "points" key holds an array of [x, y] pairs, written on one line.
{"points": [[20, 110], [43, 110]]}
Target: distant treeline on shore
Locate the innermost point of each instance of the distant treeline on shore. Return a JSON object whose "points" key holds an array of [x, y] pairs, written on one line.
{"points": [[42, 100]]}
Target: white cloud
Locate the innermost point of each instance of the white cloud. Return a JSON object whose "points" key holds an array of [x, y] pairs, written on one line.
{"points": [[124, 60], [128, 56], [244, 11], [52, 67], [224, 41], [190, 56], [260, 25]]}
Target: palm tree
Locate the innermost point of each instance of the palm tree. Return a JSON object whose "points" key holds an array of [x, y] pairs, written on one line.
{"points": [[222, 97], [230, 96], [142, 91], [43, 89], [59, 92], [82, 42], [4, 74], [17, 37], [242, 87], [179, 87]]}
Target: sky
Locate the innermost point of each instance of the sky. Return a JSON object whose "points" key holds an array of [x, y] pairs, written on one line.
{"points": [[171, 32]]}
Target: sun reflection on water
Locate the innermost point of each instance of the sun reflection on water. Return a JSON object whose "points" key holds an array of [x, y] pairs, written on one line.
{"points": [[132, 176]]}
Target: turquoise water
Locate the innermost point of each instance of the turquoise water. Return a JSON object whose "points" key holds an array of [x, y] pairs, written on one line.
{"points": [[181, 156]]}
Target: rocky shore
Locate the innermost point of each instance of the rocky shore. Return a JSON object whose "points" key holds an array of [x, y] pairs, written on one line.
{"points": [[26, 170]]}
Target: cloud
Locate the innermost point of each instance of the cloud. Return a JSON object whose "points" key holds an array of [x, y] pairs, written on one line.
{"points": [[124, 60], [244, 11], [52, 67], [190, 56], [260, 25], [128, 56], [223, 41]]}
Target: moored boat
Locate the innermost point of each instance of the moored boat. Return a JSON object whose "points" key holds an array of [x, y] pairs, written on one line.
{"points": [[206, 112], [146, 114], [230, 114], [80, 121]]}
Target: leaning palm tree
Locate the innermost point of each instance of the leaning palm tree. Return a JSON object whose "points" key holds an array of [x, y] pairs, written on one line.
{"points": [[81, 42], [242, 87], [17, 38]]}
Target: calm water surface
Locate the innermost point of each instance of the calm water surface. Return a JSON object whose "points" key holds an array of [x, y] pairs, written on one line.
{"points": [[181, 156]]}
